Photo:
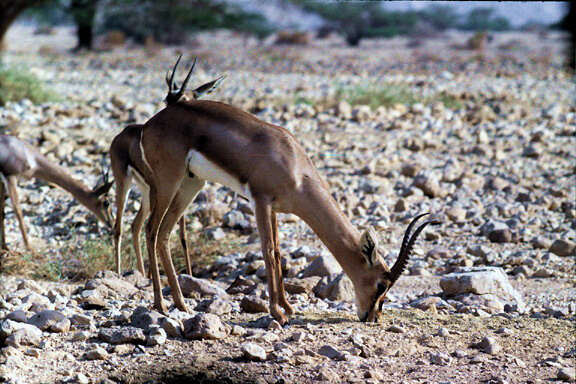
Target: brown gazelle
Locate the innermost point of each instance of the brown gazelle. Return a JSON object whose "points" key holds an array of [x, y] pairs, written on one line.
{"points": [[125, 163], [19, 159], [190, 142]]}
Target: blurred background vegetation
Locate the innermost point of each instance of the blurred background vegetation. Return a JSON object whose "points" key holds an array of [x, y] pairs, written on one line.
{"points": [[172, 21]]}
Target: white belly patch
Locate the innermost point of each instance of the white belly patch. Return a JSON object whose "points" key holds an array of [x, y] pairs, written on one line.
{"points": [[205, 169]]}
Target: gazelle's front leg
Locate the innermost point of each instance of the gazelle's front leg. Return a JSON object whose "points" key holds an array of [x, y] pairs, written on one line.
{"points": [[187, 192], [13, 193], [264, 222], [278, 257]]}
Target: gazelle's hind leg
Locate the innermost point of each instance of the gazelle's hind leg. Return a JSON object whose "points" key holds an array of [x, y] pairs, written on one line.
{"points": [[187, 192], [264, 222], [184, 243], [123, 182], [136, 228], [161, 195], [278, 257], [13, 193], [3, 245]]}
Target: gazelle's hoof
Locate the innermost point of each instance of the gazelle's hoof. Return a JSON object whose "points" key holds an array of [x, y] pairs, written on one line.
{"points": [[160, 307], [279, 316], [287, 308]]}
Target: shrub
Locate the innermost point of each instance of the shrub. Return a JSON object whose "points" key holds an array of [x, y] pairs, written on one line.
{"points": [[16, 84]]}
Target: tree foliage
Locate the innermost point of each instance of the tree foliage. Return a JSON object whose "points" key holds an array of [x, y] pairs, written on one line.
{"points": [[483, 19], [168, 21], [358, 20]]}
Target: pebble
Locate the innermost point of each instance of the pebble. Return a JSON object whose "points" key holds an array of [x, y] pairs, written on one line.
{"points": [[253, 352], [204, 326], [566, 374], [96, 353], [489, 345]]}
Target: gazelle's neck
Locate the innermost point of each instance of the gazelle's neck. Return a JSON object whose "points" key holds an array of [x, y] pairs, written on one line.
{"points": [[321, 212], [55, 174]]}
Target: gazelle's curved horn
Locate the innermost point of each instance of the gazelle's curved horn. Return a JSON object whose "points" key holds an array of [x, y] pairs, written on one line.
{"points": [[407, 247], [170, 78], [185, 83]]}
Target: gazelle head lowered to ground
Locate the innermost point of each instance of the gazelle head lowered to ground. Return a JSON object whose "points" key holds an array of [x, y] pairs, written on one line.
{"points": [[193, 141], [379, 278], [19, 159]]}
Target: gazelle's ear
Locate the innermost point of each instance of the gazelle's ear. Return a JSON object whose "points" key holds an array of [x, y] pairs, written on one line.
{"points": [[207, 88], [369, 246]]}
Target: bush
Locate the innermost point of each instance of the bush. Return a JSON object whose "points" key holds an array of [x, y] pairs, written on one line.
{"points": [[168, 21], [16, 85], [483, 19]]}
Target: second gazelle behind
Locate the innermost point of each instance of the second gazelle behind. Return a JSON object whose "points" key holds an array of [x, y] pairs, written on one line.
{"points": [[192, 141]]}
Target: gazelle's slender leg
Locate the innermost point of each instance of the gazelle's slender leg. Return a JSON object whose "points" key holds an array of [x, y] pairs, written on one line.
{"points": [[278, 257], [157, 208], [13, 193], [3, 245], [264, 222], [161, 196], [122, 188], [184, 242], [136, 228], [187, 192]]}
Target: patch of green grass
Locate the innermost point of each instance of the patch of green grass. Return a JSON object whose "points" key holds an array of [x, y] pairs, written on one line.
{"points": [[303, 100], [16, 84], [375, 96]]}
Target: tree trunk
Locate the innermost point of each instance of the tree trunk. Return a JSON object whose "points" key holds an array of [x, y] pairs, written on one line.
{"points": [[83, 12], [9, 11]]}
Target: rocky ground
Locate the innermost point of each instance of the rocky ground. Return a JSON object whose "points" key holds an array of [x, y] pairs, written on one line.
{"points": [[489, 295]]}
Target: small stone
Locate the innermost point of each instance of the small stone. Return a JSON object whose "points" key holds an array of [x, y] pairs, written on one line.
{"points": [[204, 326], [142, 317], [216, 306], [459, 354], [443, 332], [331, 352], [96, 353], [440, 358], [297, 286], [430, 186], [80, 336], [566, 374], [18, 316], [324, 265], [253, 352], [456, 214], [91, 299], [51, 321], [338, 288], [204, 287], [501, 236], [563, 247], [81, 320], [489, 345], [124, 335], [215, 234], [395, 329], [241, 285], [253, 304], [156, 336], [172, 327], [298, 337]]}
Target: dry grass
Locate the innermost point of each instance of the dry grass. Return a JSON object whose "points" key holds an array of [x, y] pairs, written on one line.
{"points": [[80, 259]]}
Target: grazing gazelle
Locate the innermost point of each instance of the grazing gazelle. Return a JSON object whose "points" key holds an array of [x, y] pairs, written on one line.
{"points": [[191, 142], [125, 160], [18, 159]]}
